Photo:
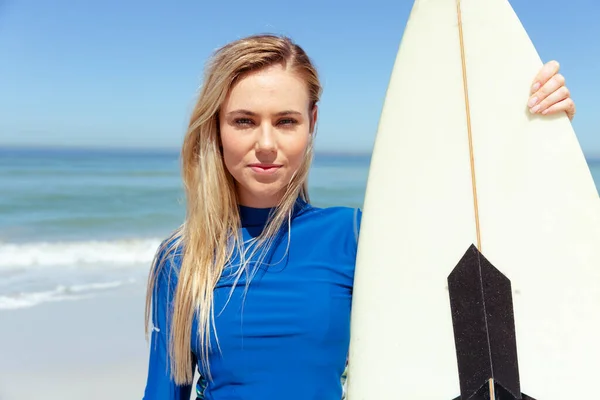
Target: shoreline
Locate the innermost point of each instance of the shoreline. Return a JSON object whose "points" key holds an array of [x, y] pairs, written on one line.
{"points": [[91, 348]]}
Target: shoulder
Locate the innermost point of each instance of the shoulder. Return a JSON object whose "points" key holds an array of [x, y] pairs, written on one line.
{"points": [[332, 226], [334, 217]]}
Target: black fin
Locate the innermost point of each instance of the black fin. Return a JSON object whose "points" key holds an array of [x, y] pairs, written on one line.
{"points": [[484, 329]]}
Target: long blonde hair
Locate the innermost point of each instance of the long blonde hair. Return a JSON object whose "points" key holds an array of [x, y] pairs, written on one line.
{"points": [[210, 234]]}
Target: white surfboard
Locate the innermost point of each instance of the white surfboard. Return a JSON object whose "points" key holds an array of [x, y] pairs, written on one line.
{"points": [[534, 213]]}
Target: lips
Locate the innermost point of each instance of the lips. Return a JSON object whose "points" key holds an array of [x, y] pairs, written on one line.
{"points": [[264, 168]]}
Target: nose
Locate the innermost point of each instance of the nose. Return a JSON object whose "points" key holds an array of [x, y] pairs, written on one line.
{"points": [[266, 141]]}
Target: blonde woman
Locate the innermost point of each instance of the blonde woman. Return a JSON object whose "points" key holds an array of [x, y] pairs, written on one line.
{"points": [[254, 289]]}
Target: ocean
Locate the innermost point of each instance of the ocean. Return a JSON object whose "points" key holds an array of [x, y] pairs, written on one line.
{"points": [[75, 223]]}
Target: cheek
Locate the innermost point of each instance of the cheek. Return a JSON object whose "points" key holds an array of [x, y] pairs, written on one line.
{"points": [[296, 151], [234, 151], [233, 144]]}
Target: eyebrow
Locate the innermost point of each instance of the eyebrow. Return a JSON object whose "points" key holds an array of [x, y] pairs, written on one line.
{"points": [[253, 114]]}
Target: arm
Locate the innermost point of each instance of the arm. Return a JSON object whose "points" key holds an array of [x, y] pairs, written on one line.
{"points": [[159, 384]]}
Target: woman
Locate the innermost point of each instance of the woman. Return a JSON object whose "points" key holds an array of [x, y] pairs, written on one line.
{"points": [[255, 288]]}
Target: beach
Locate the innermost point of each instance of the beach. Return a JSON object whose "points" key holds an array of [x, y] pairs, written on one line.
{"points": [[90, 348], [77, 236]]}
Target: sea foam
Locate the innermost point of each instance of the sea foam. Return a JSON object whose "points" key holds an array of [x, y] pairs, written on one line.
{"points": [[45, 254]]}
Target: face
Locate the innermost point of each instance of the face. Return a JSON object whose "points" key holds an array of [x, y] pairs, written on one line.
{"points": [[266, 126]]}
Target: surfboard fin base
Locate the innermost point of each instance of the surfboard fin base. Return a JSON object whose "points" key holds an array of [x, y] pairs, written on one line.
{"points": [[500, 394], [484, 330]]}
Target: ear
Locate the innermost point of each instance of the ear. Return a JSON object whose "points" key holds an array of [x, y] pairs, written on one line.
{"points": [[313, 118]]}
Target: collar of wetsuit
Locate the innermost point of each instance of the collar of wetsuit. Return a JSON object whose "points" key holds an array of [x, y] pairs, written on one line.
{"points": [[251, 216]]}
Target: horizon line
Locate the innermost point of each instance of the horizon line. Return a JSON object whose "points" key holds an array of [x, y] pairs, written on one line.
{"points": [[592, 157]]}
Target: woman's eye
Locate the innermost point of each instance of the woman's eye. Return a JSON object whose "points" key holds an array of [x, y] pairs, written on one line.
{"points": [[288, 121], [243, 121]]}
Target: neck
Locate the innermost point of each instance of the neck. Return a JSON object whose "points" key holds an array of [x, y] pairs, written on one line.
{"points": [[259, 201]]}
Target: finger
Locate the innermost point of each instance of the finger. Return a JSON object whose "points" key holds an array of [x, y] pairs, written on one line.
{"points": [[547, 71], [551, 86], [567, 105], [555, 97]]}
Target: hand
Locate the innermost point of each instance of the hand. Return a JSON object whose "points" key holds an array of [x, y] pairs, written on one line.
{"points": [[549, 95]]}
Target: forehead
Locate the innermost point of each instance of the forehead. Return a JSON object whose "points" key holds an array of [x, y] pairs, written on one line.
{"points": [[272, 88]]}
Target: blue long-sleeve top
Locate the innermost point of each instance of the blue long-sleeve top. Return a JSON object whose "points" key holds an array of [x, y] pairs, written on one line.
{"points": [[288, 336]]}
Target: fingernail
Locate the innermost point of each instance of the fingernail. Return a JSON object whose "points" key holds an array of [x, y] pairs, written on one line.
{"points": [[532, 102], [535, 109], [535, 87]]}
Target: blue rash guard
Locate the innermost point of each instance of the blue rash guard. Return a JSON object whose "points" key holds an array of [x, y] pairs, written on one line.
{"points": [[288, 336]]}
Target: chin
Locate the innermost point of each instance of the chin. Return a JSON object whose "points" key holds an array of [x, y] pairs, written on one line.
{"points": [[269, 193], [263, 195]]}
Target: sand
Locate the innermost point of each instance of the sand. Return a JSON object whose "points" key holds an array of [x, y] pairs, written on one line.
{"points": [[85, 349]]}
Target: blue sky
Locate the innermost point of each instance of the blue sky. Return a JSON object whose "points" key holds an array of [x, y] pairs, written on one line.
{"points": [[125, 73]]}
